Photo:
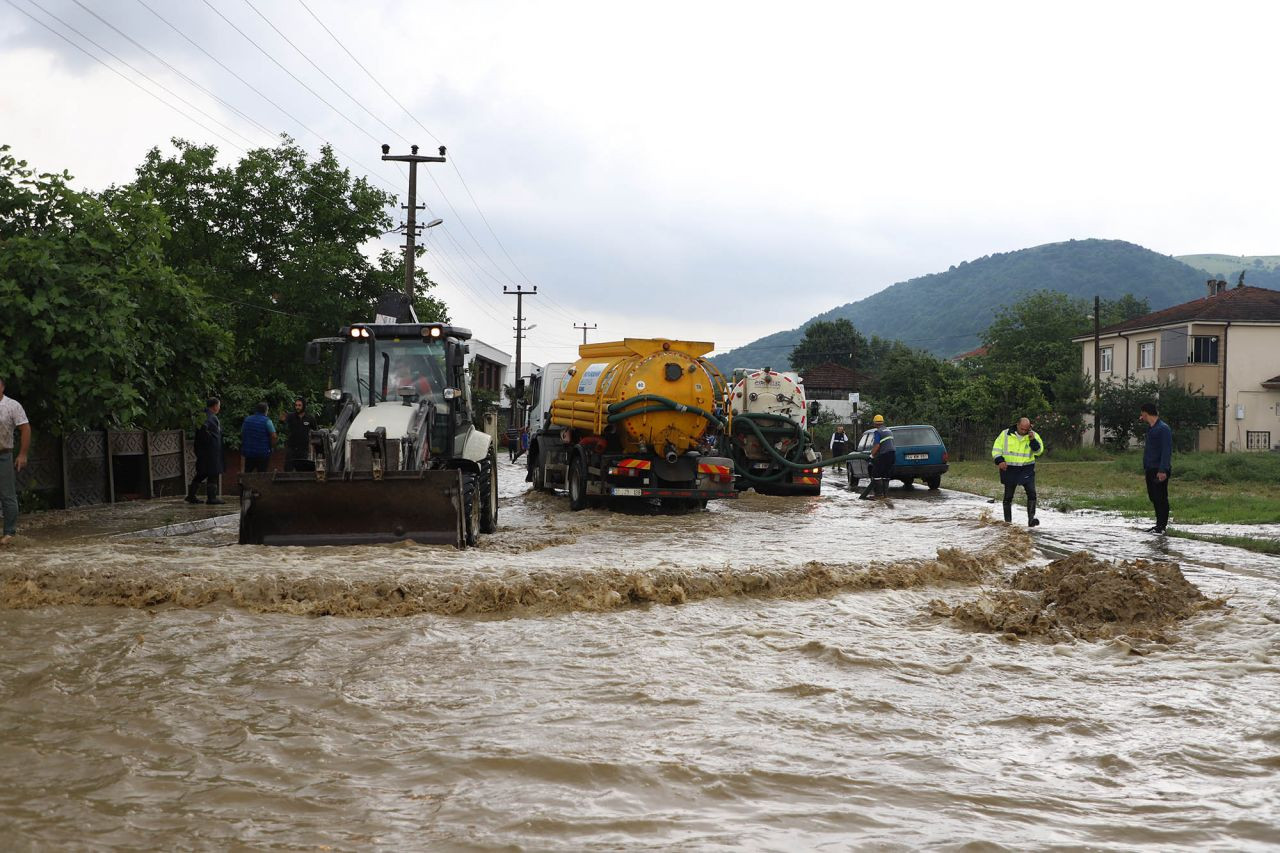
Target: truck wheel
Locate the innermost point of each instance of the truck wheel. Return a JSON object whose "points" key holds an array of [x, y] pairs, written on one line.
{"points": [[577, 484], [489, 493], [933, 482], [539, 474], [471, 506]]}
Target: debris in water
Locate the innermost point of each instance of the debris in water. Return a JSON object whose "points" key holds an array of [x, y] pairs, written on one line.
{"points": [[1082, 597]]}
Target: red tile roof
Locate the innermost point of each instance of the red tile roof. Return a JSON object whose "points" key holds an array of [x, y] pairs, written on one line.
{"points": [[973, 353], [1247, 303]]}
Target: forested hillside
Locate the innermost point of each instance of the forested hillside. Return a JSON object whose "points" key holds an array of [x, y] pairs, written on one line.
{"points": [[946, 313]]}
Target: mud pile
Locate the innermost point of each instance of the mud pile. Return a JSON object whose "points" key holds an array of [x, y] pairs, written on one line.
{"points": [[1082, 597], [461, 590]]}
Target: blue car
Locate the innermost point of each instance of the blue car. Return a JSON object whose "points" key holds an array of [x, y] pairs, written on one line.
{"points": [[920, 455]]}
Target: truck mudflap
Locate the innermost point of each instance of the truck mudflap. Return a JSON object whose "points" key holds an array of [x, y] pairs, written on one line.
{"points": [[352, 508]]}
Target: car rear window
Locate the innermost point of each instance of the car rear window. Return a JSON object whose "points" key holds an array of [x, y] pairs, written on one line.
{"points": [[916, 435]]}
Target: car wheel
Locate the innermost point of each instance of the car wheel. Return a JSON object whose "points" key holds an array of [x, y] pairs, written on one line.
{"points": [[934, 482], [908, 482]]}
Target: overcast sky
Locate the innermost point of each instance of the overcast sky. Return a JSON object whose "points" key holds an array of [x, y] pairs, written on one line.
{"points": [[714, 171]]}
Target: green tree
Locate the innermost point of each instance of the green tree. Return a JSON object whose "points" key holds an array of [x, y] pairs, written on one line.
{"points": [[100, 331], [1186, 411], [835, 341], [276, 242]]}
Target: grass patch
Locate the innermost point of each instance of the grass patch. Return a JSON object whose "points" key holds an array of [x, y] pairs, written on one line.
{"points": [[1238, 488], [1249, 543]]}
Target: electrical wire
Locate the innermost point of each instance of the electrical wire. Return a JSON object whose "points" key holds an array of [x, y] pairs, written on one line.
{"points": [[124, 77], [135, 70]]}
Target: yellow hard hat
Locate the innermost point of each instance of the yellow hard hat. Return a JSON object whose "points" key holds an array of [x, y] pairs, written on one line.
{"points": [[878, 419]]}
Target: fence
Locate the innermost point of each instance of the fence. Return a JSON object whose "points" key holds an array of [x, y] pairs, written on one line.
{"points": [[87, 468]]}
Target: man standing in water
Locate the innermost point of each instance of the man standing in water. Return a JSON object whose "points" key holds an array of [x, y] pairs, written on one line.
{"points": [[13, 420], [883, 456], [1157, 464], [1014, 452], [209, 461]]}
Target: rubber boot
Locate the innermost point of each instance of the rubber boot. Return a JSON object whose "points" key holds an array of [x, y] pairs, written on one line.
{"points": [[211, 495], [191, 495], [1008, 512], [882, 488], [1032, 521]]}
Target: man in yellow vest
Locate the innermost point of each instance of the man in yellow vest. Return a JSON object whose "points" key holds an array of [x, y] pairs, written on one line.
{"points": [[1014, 452]]}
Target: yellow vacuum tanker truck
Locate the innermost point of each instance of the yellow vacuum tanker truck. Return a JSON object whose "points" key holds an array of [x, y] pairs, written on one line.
{"points": [[635, 418]]}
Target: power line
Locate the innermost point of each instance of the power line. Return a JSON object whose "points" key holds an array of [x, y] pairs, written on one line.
{"points": [[457, 170], [122, 75], [335, 83], [140, 73], [175, 70]]}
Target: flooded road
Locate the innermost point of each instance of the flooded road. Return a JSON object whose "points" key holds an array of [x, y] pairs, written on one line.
{"points": [[770, 674]]}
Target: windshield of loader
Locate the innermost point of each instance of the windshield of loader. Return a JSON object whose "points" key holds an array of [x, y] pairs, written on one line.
{"points": [[398, 362]]}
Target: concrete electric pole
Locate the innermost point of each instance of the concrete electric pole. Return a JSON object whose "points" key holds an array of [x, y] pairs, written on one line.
{"points": [[584, 327], [519, 293], [1097, 372], [411, 227]]}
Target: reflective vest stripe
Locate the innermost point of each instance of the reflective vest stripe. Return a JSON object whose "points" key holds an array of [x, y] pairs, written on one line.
{"points": [[1007, 453]]}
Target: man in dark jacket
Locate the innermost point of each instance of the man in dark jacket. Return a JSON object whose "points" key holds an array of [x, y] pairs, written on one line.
{"points": [[298, 425], [209, 462], [1157, 464]]}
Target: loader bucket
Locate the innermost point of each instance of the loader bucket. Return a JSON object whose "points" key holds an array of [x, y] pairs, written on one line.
{"points": [[352, 508]]}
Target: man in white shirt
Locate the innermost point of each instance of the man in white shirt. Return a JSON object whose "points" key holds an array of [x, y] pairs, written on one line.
{"points": [[12, 420]]}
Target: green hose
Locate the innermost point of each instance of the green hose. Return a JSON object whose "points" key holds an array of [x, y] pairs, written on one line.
{"points": [[787, 464], [664, 404], [618, 411]]}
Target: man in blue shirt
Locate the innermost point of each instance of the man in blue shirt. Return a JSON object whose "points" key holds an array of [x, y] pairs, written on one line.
{"points": [[1157, 464], [257, 439]]}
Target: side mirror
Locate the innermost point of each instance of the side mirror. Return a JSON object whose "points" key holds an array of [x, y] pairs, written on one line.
{"points": [[452, 393], [334, 394], [311, 355]]}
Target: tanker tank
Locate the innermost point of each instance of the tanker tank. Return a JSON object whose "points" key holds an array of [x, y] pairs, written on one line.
{"points": [[637, 418]]}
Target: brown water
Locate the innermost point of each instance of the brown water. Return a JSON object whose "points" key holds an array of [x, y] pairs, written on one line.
{"points": [[772, 674]]}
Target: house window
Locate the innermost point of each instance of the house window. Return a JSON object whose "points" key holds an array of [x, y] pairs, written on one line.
{"points": [[1257, 440], [1146, 355], [1104, 358], [1204, 349]]}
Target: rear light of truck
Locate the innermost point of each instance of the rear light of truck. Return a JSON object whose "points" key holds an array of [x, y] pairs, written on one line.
{"points": [[626, 472]]}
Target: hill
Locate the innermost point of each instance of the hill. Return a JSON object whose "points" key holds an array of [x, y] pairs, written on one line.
{"points": [[1262, 270], [947, 312]]}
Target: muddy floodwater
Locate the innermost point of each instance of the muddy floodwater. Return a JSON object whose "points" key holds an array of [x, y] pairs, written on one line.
{"points": [[773, 674]]}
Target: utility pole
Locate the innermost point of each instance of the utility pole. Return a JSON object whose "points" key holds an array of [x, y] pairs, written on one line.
{"points": [[519, 293], [584, 328], [411, 227], [1097, 372]]}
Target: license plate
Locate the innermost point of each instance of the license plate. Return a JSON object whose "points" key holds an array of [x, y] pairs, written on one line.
{"points": [[627, 493], [917, 455]]}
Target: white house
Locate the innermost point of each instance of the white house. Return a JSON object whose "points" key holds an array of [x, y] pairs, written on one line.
{"points": [[1227, 344]]}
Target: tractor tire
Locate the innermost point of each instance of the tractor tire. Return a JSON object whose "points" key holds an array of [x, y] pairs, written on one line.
{"points": [[489, 493], [933, 482], [471, 510], [577, 484]]}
